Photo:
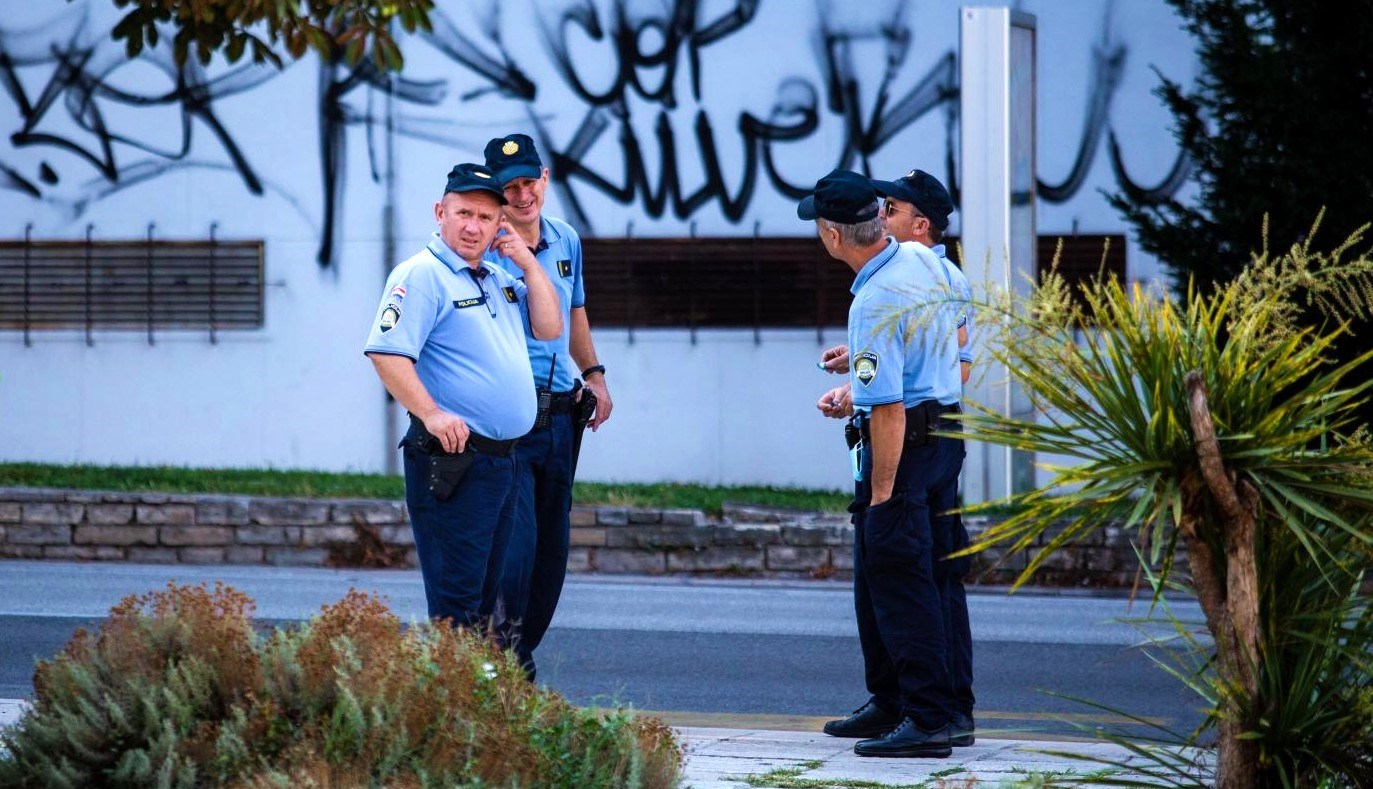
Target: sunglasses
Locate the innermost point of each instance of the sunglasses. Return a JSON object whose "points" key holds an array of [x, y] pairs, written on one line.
{"points": [[889, 208]]}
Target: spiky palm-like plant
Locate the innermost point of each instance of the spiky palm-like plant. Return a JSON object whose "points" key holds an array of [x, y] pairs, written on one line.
{"points": [[1217, 423]]}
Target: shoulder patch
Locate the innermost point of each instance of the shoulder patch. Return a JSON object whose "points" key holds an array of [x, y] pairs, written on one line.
{"points": [[564, 268], [510, 295], [865, 367], [389, 317]]}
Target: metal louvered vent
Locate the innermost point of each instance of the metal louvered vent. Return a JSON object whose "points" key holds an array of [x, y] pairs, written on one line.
{"points": [[761, 282], [131, 285]]}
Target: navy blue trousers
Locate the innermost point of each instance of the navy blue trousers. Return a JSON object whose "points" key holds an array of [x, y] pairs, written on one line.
{"points": [[901, 591], [958, 635], [462, 542], [536, 562]]}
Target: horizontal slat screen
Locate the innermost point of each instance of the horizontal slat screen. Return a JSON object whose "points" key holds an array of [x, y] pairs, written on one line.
{"points": [[131, 285], [755, 283], [1084, 256]]}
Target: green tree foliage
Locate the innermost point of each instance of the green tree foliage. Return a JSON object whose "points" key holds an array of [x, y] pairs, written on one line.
{"points": [[355, 28], [178, 689], [1277, 126], [1221, 433]]}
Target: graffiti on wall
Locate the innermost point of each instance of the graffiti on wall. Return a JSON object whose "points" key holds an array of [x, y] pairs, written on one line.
{"points": [[63, 83]]}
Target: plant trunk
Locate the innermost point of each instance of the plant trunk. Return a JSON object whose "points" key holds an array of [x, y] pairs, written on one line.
{"points": [[1227, 588]]}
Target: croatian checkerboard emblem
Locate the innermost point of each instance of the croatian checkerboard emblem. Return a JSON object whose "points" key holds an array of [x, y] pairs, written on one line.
{"points": [[865, 367]]}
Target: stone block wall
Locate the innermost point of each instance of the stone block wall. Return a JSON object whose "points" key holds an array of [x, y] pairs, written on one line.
{"points": [[40, 523], [232, 529]]}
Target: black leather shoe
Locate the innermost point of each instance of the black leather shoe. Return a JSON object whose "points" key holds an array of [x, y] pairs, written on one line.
{"points": [[908, 741], [961, 730], [868, 720]]}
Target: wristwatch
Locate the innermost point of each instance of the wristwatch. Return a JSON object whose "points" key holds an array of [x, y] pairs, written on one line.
{"points": [[595, 368]]}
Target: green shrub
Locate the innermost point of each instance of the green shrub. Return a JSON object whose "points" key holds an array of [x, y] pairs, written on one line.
{"points": [[178, 689]]}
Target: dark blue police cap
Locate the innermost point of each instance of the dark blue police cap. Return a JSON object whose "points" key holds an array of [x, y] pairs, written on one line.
{"points": [[923, 191], [473, 178], [842, 196], [513, 156]]}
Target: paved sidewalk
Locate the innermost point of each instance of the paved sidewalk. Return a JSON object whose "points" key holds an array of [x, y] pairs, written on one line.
{"points": [[727, 758], [721, 758]]}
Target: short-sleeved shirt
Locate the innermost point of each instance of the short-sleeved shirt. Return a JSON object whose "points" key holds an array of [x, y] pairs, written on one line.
{"points": [[560, 253], [900, 354], [958, 283], [464, 328]]}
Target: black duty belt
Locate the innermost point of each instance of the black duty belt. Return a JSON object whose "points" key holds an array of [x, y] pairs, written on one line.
{"points": [[426, 442], [492, 446], [921, 418]]}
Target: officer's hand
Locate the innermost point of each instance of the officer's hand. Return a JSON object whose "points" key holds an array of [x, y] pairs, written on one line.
{"points": [[449, 429], [837, 403], [510, 245], [603, 404], [836, 359]]}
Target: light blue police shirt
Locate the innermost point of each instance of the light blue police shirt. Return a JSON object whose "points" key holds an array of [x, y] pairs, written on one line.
{"points": [[958, 283], [466, 337], [912, 358], [560, 254]]}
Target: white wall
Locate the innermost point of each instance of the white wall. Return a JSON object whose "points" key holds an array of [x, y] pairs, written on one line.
{"points": [[299, 394]]}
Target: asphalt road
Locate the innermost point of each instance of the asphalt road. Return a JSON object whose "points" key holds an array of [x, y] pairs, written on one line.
{"points": [[707, 652]]}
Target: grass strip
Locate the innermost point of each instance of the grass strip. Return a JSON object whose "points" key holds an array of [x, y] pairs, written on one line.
{"points": [[322, 484]]}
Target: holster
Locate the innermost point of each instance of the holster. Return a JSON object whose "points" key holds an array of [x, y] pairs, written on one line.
{"points": [[583, 411], [446, 470], [585, 408], [852, 433]]}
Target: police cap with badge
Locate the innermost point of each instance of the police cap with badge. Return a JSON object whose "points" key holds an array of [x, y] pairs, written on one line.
{"points": [[923, 191], [474, 178], [513, 156]]}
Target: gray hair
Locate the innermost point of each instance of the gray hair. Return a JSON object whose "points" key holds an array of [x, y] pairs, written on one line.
{"points": [[861, 235]]}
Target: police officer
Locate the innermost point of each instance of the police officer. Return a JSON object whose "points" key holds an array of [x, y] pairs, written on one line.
{"points": [[536, 563], [916, 210], [448, 343], [905, 380]]}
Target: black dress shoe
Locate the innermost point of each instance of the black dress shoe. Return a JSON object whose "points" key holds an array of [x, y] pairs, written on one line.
{"points": [[961, 730], [908, 741], [868, 720]]}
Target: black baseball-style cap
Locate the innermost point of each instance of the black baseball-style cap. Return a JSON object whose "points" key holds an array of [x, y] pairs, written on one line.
{"points": [[923, 191], [842, 196], [474, 178], [513, 156]]}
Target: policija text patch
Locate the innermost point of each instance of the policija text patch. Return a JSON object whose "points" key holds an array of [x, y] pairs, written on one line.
{"points": [[865, 367]]}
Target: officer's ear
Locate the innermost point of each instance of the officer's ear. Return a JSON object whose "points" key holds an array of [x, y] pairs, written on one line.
{"points": [[829, 234]]}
